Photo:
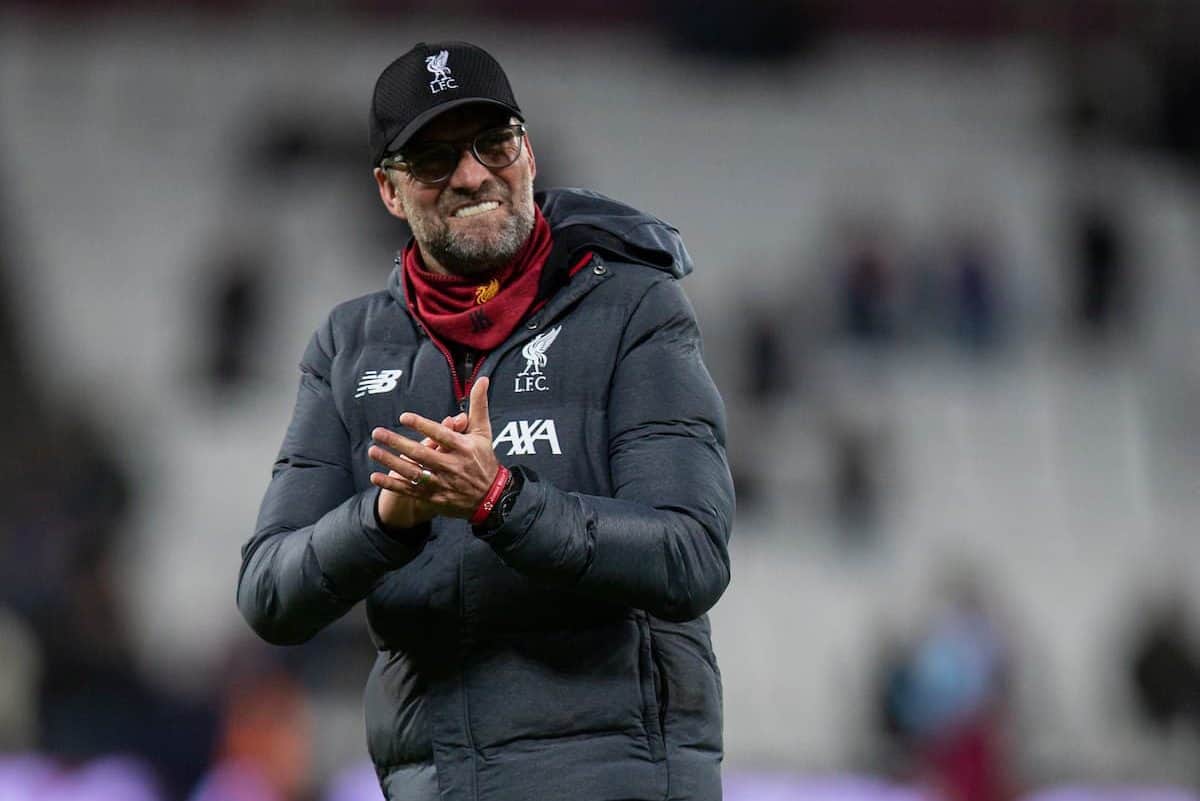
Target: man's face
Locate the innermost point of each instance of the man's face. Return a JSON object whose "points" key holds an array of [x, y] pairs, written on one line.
{"points": [[476, 220]]}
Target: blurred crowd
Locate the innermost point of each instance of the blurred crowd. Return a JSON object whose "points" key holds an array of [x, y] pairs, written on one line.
{"points": [[81, 717]]}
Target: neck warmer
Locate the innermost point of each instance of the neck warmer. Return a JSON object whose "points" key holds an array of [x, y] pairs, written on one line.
{"points": [[480, 312]]}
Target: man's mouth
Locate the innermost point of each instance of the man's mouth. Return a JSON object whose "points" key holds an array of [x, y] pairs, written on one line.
{"points": [[476, 208]]}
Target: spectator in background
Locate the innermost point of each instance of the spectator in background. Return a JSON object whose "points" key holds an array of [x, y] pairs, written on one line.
{"points": [[234, 313], [954, 291], [856, 452], [976, 298], [770, 372], [868, 295], [767, 390], [1164, 667], [945, 698], [264, 749], [1101, 273]]}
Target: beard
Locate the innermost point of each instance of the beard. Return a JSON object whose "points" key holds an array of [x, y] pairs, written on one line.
{"points": [[477, 252]]}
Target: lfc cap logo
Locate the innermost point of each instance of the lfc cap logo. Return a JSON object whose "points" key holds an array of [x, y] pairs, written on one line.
{"points": [[442, 79]]}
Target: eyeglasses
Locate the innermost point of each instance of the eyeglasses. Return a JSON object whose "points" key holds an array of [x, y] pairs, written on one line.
{"points": [[435, 162]]}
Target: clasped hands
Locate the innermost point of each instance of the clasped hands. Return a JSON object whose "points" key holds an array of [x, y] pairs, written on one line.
{"points": [[448, 473]]}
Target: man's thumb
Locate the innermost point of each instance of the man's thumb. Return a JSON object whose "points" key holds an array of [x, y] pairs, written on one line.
{"points": [[478, 421]]}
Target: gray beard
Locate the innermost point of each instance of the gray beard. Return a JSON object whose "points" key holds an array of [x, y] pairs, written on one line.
{"points": [[468, 256]]}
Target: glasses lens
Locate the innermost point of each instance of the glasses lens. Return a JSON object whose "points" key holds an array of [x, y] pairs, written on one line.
{"points": [[433, 162], [498, 147]]}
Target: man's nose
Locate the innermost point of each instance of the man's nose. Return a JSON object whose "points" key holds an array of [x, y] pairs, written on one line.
{"points": [[469, 173]]}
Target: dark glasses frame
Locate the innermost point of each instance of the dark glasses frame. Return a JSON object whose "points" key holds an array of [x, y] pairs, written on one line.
{"points": [[411, 162]]}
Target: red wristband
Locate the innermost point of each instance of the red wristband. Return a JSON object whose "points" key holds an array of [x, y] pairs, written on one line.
{"points": [[493, 494]]}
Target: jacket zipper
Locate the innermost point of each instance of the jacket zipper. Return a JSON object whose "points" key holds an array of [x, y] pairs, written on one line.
{"points": [[461, 393], [472, 367], [461, 397]]}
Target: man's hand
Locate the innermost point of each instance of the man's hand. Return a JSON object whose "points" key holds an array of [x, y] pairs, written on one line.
{"points": [[449, 472], [398, 511]]}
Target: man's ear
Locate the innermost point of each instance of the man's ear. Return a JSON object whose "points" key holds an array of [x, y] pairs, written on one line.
{"points": [[389, 194]]}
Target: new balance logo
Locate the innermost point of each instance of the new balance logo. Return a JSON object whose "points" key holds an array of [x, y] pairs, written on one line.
{"points": [[523, 436], [374, 382]]}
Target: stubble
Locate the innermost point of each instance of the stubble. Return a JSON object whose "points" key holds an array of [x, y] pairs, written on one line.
{"points": [[475, 252]]}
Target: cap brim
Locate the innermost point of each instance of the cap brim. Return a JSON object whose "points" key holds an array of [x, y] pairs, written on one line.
{"points": [[398, 141]]}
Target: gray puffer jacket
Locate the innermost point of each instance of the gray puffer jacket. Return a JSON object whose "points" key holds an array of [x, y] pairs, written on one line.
{"points": [[567, 655]]}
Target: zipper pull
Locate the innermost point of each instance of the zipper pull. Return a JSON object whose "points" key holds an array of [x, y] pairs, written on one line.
{"points": [[471, 365], [468, 379]]}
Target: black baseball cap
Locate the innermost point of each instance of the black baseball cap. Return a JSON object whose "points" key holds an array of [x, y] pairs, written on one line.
{"points": [[431, 78]]}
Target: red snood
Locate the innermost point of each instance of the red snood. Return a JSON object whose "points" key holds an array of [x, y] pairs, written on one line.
{"points": [[480, 312]]}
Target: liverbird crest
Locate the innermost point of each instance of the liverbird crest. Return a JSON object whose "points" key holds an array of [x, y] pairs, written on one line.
{"points": [[442, 79], [485, 292], [535, 351], [437, 64]]}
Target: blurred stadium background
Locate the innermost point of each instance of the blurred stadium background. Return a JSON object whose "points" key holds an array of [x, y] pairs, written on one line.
{"points": [[948, 276]]}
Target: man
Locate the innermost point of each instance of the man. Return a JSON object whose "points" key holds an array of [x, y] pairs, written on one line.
{"points": [[537, 567]]}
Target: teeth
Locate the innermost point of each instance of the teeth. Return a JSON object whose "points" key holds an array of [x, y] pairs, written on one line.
{"points": [[478, 208]]}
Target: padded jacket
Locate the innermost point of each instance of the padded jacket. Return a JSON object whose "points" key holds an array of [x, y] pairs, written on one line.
{"points": [[566, 654]]}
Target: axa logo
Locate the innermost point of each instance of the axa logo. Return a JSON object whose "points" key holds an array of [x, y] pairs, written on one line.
{"points": [[442, 79], [532, 379], [373, 382], [523, 437]]}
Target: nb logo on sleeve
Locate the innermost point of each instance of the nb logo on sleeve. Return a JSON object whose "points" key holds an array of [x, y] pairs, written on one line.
{"points": [[374, 382], [523, 436]]}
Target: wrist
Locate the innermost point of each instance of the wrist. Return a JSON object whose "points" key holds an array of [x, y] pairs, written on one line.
{"points": [[490, 498], [398, 522], [504, 504]]}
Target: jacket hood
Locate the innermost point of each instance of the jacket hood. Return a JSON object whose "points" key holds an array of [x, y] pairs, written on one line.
{"points": [[588, 219]]}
